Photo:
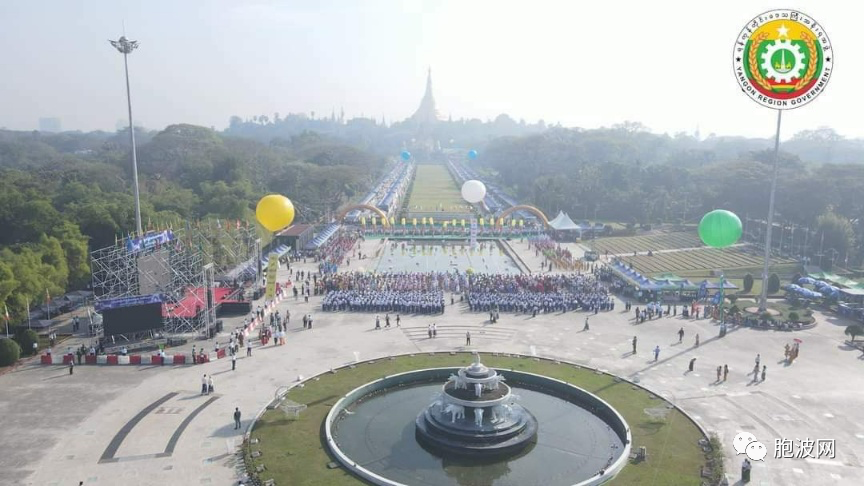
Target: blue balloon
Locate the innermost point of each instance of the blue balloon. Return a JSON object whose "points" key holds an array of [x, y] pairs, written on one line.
{"points": [[472, 155], [406, 155]]}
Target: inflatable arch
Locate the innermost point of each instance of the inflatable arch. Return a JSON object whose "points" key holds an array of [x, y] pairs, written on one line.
{"points": [[530, 209], [363, 207]]}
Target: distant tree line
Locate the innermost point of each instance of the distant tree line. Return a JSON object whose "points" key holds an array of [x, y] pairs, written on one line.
{"points": [[63, 195], [629, 175]]}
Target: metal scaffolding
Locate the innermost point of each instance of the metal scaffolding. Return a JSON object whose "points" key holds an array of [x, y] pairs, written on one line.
{"points": [[184, 270]]}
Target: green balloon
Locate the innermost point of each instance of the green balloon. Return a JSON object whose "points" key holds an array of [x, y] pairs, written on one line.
{"points": [[720, 228]]}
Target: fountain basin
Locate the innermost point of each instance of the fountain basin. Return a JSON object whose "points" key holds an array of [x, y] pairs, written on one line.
{"points": [[372, 432]]}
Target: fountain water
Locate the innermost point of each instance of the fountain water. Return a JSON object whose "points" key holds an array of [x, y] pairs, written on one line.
{"points": [[497, 425]]}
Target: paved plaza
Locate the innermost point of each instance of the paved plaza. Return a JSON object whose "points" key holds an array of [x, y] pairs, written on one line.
{"points": [[149, 425]]}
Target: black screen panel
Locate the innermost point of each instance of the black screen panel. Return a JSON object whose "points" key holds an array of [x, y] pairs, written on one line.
{"points": [[131, 319]]}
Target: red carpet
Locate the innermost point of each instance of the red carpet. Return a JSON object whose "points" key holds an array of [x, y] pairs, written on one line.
{"points": [[194, 301]]}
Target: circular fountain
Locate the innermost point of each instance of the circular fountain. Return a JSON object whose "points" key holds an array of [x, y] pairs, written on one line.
{"points": [[476, 415], [471, 431]]}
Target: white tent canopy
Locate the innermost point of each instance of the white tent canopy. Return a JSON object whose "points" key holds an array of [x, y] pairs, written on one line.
{"points": [[563, 222]]}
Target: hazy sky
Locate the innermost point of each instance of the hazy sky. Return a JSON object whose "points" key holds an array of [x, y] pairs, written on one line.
{"points": [[665, 63]]}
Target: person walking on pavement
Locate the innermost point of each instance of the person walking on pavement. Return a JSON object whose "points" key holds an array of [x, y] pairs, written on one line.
{"points": [[204, 384], [719, 372], [467, 338], [697, 341], [656, 352], [587, 327], [764, 368], [194, 357], [680, 335], [233, 362], [236, 418], [398, 320], [434, 330], [386, 320], [429, 330], [377, 323], [248, 349], [634, 344], [691, 365], [210, 388], [71, 366], [725, 371], [758, 359]]}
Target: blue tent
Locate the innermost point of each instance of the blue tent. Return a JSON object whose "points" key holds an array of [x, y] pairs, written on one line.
{"points": [[806, 281]]}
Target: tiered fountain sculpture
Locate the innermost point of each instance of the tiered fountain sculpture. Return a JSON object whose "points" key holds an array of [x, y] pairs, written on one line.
{"points": [[476, 414]]}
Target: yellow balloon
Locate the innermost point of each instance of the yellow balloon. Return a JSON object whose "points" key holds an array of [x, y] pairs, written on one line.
{"points": [[274, 212]]}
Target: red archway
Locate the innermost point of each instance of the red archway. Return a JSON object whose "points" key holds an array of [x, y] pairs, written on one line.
{"points": [[363, 207], [525, 207]]}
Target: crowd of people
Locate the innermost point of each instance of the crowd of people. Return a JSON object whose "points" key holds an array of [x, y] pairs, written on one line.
{"points": [[337, 250], [554, 253], [423, 292], [395, 281], [408, 302], [406, 292], [537, 293]]}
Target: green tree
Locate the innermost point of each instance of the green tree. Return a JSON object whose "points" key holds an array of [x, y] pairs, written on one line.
{"points": [[837, 232], [773, 283], [25, 339], [748, 283], [10, 351], [794, 317], [76, 253]]}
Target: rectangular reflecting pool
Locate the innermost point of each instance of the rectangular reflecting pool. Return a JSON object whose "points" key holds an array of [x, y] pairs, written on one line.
{"points": [[405, 256]]}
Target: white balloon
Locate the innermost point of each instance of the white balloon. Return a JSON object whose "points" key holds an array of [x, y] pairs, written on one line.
{"points": [[473, 191]]}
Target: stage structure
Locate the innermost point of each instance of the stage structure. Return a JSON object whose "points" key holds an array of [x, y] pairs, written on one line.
{"points": [[175, 269]]}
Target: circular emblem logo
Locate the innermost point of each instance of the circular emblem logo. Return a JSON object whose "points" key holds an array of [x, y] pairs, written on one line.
{"points": [[782, 59]]}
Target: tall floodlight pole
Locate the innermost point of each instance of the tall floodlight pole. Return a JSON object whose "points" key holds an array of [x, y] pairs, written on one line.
{"points": [[782, 60], [125, 47], [763, 299]]}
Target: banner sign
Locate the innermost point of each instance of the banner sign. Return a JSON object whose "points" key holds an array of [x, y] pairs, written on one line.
{"points": [[128, 301], [150, 240], [272, 268]]}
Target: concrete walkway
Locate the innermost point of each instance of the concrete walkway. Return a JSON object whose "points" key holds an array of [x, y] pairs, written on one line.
{"points": [[150, 425]]}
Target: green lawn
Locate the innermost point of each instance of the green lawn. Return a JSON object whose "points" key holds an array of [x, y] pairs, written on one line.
{"points": [[663, 241], [783, 306], [293, 452], [433, 185], [740, 259]]}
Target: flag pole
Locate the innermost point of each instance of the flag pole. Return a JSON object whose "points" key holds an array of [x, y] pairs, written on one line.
{"points": [[28, 313]]}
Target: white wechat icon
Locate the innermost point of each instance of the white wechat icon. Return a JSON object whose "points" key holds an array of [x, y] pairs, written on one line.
{"points": [[756, 451], [741, 440], [746, 443]]}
